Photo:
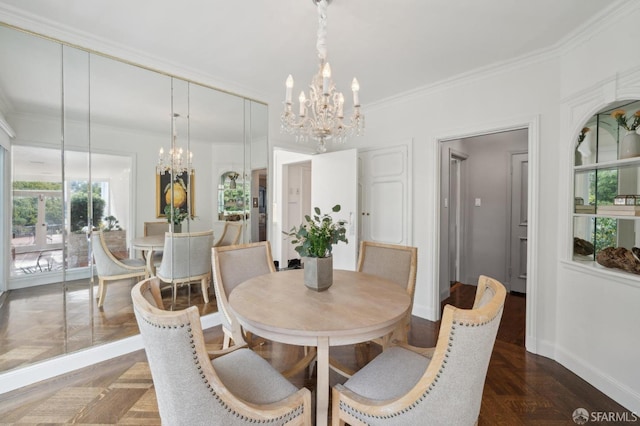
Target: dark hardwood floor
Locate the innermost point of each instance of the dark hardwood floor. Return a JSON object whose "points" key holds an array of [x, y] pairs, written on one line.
{"points": [[521, 388]]}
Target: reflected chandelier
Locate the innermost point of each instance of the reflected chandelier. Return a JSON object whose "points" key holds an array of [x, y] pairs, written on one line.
{"points": [[321, 116], [172, 161]]}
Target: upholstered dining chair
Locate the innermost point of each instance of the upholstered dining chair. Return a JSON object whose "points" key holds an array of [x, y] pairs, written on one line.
{"points": [[110, 268], [396, 263], [230, 234], [405, 385], [233, 265], [195, 387], [186, 258]]}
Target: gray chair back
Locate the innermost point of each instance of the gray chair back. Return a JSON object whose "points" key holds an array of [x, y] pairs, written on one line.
{"points": [[230, 234], [233, 265], [235, 389], [185, 255], [449, 391]]}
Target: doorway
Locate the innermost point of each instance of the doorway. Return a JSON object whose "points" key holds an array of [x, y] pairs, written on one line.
{"points": [[478, 191]]}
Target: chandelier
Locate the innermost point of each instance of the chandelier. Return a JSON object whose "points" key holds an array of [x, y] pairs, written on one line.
{"points": [[173, 161], [321, 115]]}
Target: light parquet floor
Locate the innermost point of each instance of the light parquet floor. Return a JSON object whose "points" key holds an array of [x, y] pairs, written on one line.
{"points": [[521, 388]]}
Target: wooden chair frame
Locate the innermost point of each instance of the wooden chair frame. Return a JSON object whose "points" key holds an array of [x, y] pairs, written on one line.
{"points": [[343, 397], [147, 291]]}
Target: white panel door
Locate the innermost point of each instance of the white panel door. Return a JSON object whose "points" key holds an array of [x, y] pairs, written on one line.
{"points": [[385, 198], [334, 180]]}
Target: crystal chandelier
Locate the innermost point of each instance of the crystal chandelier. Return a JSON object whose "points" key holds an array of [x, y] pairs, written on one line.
{"points": [[321, 115], [173, 161]]}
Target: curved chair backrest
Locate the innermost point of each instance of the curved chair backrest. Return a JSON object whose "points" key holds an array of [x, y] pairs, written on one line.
{"points": [[106, 263], [189, 391], [185, 255], [230, 234], [393, 262], [235, 264], [396, 263], [111, 268], [150, 290], [458, 369], [449, 392], [156, 228]]}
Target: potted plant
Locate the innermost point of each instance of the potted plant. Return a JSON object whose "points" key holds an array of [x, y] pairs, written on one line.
{"points": [[314, 241], [175, 216]]}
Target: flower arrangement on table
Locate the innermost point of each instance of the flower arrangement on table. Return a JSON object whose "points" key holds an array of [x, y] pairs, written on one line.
{"points": [[319, 234], [623, 121]]}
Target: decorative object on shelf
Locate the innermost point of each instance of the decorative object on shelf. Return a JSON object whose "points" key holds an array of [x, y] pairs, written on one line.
{"points": [[620, 200], [630, 144], [584, 147], [619, 258], [321, 115], [173, 159], [314, 241], [582, 247], [232, 179], [619, 210]]}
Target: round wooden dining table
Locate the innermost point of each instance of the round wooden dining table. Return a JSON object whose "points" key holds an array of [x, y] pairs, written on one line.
{"points": [[358, 307], [149, 244]]}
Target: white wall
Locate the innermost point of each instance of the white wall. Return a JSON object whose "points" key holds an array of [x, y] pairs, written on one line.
{"points": [[587, 321]]}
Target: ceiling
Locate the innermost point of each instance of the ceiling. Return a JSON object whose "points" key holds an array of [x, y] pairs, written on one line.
{"points": [[251, 46]]}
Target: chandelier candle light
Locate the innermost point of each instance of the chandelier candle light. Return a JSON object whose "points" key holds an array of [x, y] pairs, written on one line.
{"points": [[173, 161], [321, 116]]}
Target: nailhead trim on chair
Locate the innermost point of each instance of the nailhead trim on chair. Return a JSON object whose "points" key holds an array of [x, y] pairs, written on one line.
{"points": [[361, 416], [285, 418]]}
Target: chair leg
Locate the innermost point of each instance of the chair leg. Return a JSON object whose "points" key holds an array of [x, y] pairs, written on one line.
{"points": [[102, 291], [226, 341], [205, 289]]}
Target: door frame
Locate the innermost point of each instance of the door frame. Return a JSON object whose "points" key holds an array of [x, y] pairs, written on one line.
{"points": [[460, 208], [509, 272], [532, 125]]}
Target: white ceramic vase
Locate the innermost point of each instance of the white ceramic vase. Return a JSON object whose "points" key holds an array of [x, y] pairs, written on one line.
{"points": [[630, 145], [318, 272]]}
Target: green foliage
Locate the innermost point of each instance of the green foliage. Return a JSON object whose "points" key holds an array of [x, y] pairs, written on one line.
{"points": [[176, 215], [317, 237], [607, 188], [606, 233], [79, 210], [111, 224]]}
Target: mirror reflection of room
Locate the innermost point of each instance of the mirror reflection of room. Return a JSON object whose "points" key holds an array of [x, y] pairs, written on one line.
{"points": [[88, 136]]}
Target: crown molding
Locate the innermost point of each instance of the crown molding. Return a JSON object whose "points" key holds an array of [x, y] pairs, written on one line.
{"points": [[48, 29], [599, 22]]}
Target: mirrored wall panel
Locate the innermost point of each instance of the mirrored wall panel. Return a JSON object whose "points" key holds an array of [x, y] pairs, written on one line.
{"points": [[117, 172]]}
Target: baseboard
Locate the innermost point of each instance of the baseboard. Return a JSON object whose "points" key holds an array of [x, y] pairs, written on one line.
{"points": [[425, 312], [619, 392], [20, 377]]}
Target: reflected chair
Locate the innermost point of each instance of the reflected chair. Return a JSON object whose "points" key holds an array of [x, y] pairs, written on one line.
{"points": [[230, 234], [193, 386], [395, 263], [428, 386], [186, 258], [155, 228], [111, 268]]}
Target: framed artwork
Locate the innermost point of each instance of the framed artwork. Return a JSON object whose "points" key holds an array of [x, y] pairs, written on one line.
{"points": [[182, 185]]}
